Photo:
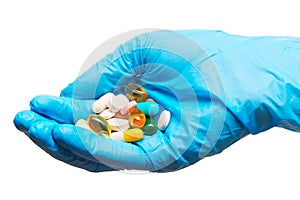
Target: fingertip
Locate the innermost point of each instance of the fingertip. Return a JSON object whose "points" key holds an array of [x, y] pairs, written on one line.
{"points": [[41, 102], [41, 131], [24, 119], [57, 108]]}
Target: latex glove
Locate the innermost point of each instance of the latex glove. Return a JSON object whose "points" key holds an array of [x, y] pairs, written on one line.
{"points": [[218, 88]]}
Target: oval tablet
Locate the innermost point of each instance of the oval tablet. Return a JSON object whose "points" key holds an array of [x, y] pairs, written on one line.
{"points": [[100, 104], [107, 114], [149, 100], [119, 115], [163, 120], [117, 102], [128, 107], [118, 124]]}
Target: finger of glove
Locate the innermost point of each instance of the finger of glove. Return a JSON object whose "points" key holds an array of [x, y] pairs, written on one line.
{"points": [[41, 134], [61, 109], [24, 119], [115, 154]]}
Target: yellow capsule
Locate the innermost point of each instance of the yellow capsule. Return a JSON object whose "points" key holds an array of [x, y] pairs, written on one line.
{"points": [[137, 118], [98, 125], [135, 93], [133, 135]]}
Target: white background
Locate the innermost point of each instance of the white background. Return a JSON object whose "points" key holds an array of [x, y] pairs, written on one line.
{"points": [[42, 47]]}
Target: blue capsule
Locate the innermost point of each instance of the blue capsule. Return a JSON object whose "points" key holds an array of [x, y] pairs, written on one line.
{"points": [[148, 108]]}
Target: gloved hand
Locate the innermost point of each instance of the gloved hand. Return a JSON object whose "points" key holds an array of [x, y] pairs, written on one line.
{"points": [[218, 88]]}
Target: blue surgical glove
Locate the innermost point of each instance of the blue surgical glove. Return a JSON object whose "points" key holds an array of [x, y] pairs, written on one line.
{"points": [[218, 88]]}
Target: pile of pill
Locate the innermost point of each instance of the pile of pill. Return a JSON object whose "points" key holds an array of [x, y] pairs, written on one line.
{"points": [[126, 117]]}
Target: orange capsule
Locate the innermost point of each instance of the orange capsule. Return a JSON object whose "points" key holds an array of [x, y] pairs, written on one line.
{"points": [[135, 93], [137, 118]]}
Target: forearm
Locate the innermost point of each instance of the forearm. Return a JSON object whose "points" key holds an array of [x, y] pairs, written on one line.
{"points": [[262, 81], [260, 77]]}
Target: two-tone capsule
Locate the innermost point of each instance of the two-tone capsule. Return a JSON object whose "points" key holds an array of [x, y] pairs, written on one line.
{"points": [[130, 135]]}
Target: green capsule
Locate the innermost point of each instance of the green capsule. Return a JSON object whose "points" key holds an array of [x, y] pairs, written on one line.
{"points": [[150, 127]]}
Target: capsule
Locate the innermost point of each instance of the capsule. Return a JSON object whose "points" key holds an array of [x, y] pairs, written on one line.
{"points": [[137, 118], [130, 135], [84, 124], [98, 124], [135, 93], [150, 127], [148, 108]]}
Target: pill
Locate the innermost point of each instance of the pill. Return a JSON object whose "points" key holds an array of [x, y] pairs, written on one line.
{"points": [[130, 135], [148, 108], [135, 93], [107, 114], [149, 100], [117, 102], [137, 118], [119, 135], [82, 123], [119, 115], [104, 135], [118, 124], [128, 107], [100, 104], [133, 135], [150, 127], [98, 124], [163, 120]]}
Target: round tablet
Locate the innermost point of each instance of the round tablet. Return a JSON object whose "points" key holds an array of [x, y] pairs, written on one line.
{"points": [[83, 124], [117, 102], [117, 135], [164, 120]]}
